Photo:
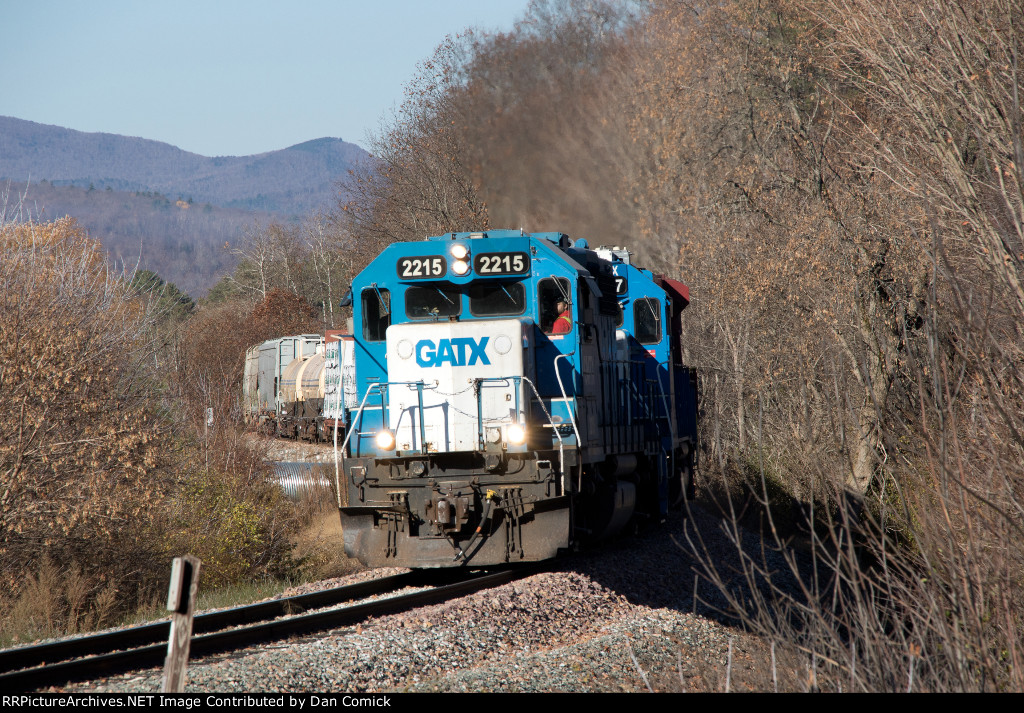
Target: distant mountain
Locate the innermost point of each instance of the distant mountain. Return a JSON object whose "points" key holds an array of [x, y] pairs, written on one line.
{"points": [[157, 207], [290, 182]]}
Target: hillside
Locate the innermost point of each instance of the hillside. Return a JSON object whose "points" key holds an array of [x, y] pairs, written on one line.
{"points": [[183, 242], [292, 181]]}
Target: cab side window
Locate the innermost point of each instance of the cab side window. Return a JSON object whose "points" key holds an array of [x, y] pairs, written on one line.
{"points": [[376, 304], [647, 320], [555, 305]]}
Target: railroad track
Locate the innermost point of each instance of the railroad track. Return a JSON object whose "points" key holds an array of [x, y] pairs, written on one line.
{"points": [[99, 655]]}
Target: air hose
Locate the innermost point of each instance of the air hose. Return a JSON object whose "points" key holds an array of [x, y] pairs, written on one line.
{"points": [[490, 498]]}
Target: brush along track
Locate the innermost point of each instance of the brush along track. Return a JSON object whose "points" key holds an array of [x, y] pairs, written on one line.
{"points": [[55, 664]]}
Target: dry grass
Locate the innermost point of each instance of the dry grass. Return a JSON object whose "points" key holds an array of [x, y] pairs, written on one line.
{"points": [[60, 600], [750, 664], [54, 601], [318, 545]]}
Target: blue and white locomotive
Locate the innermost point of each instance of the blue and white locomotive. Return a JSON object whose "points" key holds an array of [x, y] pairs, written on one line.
{"points": [[515, 394]]}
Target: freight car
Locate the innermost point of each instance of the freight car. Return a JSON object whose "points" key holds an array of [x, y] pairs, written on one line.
{"points": [[261, 380], [514, 394], [293, 385]]}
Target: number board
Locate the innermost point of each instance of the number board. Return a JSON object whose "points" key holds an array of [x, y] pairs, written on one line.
{"points": [[428, 267], [517, 263], [621, 286]]}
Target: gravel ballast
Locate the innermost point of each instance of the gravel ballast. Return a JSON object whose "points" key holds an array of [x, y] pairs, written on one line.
{"points": [[617, 619]]}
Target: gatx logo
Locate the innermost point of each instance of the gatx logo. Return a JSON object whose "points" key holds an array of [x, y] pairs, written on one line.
{"points": [[462, 351]]}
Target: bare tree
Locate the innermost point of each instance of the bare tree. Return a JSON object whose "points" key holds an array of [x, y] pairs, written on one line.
{"points": [[946, 75], [831, 168], [419, 181]]}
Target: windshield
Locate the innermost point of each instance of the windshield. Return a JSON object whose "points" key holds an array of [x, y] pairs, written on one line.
{"points": [[430, 302], [497, 298]]}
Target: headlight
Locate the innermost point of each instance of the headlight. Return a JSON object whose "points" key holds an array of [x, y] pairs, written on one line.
{"points": [[385, 440], [460, 267], [494, 435], [459, 252], [516, 434]]}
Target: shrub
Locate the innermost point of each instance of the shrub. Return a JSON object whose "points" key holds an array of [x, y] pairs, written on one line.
{"points": [[80, 439]]}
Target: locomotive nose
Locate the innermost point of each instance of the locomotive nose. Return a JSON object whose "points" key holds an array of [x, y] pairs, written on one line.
{"points": [[456, 386]]}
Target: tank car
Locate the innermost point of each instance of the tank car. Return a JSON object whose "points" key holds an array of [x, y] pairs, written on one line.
{"points": [[311, 393], [514, 394], [302, 397]]}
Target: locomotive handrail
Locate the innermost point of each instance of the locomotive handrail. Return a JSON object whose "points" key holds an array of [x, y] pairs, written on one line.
{"points": [[570, 411], [419, 413], [477, 384], [554, 427], [348, 435], [420, 386], [405, 383], [337, 412], [381, 386]]}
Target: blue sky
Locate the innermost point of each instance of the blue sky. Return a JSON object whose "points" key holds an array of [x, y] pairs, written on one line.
{"points": [[224, 77]]}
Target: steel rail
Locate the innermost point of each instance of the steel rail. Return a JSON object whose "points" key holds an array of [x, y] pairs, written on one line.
{"points": [[94, 644], [93, 663]]}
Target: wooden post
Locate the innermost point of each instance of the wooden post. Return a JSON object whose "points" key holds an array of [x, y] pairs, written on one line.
{"points": [[181, 601]]}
